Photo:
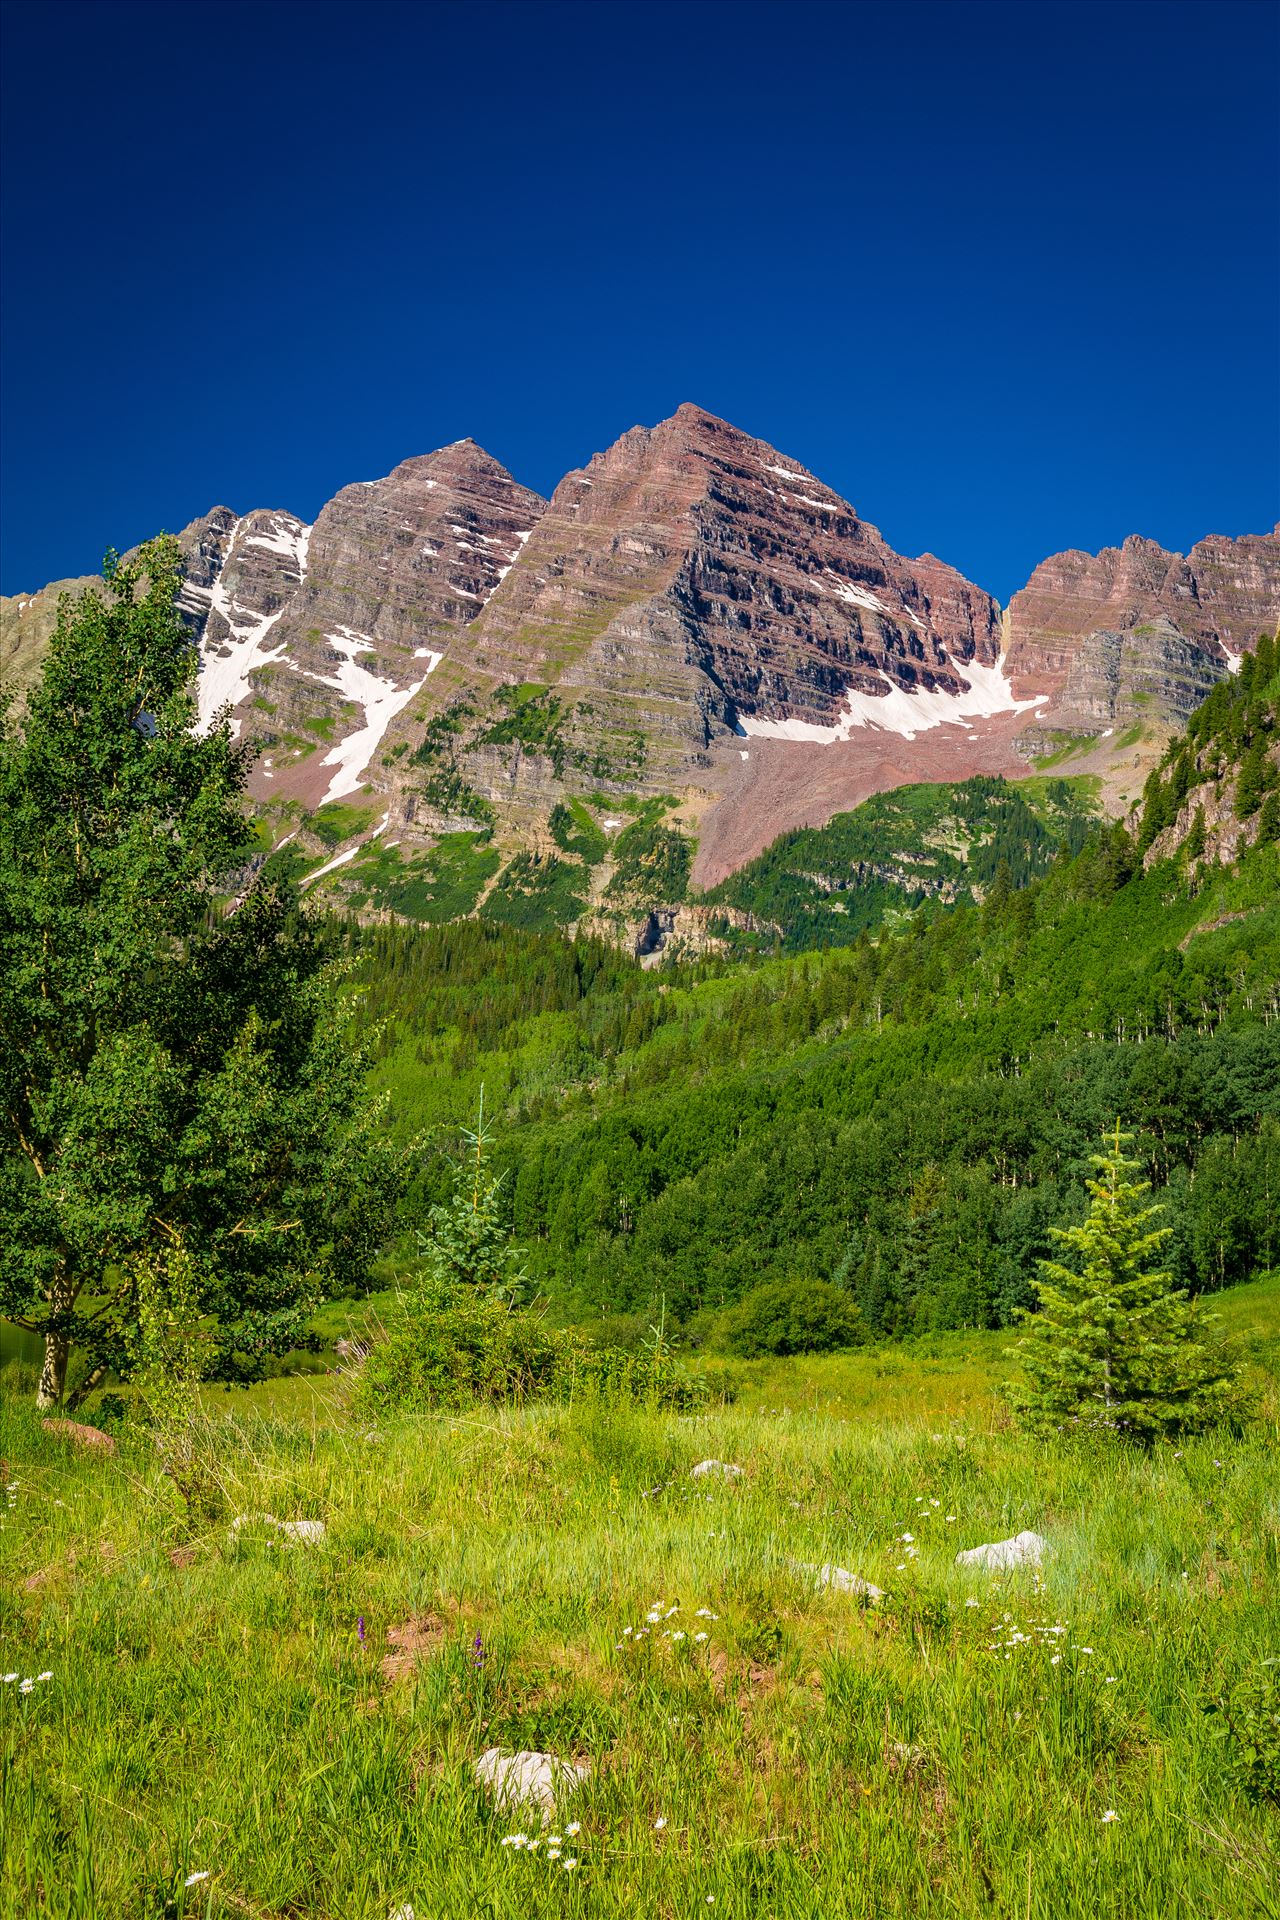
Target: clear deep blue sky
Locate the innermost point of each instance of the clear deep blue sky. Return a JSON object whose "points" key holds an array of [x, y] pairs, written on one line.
{"points": [[1006, 276]]}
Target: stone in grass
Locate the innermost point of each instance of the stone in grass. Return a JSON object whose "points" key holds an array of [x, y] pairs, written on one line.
{"points": [[720, 1469], [838, 1579], [90, 1439], [308, 1532], [529, 1779], [1024, 1550]]}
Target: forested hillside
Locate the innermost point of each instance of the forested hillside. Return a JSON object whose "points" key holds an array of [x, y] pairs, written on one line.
{"points": [[826, 885], [908, 1116]]}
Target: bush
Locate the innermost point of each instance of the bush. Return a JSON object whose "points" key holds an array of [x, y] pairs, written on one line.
{"points": [[1248, 1721], [794, 1316], [472, 1346]]}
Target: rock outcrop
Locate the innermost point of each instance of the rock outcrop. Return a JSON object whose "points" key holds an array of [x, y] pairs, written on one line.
{"points": [[692, 616]]}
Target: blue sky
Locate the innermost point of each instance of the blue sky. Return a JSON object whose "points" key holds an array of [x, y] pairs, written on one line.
{"points": [[1006, 276]]}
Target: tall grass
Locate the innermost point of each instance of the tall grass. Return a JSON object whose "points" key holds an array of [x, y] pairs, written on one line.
{"points": [[213, 1708]]}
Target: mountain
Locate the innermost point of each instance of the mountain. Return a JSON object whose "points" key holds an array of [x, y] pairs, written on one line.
{"points": [[693, 647]]}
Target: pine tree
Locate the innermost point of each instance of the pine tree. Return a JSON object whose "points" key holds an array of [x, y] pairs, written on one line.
{"points": [[1251, 784], [1114, 1344], [1194, 844], [468, 1242]]}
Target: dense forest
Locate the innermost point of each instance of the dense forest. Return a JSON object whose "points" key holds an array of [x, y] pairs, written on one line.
{"points": [[907, 1116]]}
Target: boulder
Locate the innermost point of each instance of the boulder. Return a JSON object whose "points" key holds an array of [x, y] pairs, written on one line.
{"points": [[1024, 1550], [529, 1779], [91, 1439], [840, 1580], [719, 1469], [308, 1533]]}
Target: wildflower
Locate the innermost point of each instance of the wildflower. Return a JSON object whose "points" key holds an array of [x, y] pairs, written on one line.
{"points": [[553, 1853], [950, 1517], [360, 1629], [516, 1840], [971, 1603], [26, 1686], [574, 1828], [1110, 1680], [1110, 1814], [477, 1650], [908, 1537], [678, 1636], [9, 1679], [711, 1899], [44, 1676], [193, 1879], [705, 1613], [627, 1632], [554, 1840], [699, 1636], [660, 1823], [1056, 1660], [568, 1865]]}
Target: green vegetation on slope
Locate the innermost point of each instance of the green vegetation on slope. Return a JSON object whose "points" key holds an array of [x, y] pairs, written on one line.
{"points": [[826, 885]]}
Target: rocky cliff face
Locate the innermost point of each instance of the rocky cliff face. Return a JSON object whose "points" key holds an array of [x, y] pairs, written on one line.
{"points": [[693, 576], [692, 615], [1092, 630]]}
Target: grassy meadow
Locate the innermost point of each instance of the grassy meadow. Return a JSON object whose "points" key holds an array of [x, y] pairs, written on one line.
{"points": [[299, 1723]]}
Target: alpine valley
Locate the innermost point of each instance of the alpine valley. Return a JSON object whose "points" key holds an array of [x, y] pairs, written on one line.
{"points": [[597, 711]]}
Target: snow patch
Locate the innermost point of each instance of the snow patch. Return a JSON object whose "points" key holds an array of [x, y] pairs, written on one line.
{"points": [[788, 473], [433, 659], [225, 667], [987, 691], [339, 860], [381, 700], [463, 593], [430, 552], [859, 596], [286, 536]]}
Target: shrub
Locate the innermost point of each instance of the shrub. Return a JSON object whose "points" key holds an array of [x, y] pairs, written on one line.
{"points": [[794, 1316], [474, 1347], [1248, 1721], [446, 1351]]}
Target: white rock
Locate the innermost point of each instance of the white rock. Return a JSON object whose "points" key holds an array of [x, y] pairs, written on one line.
{"points": [[723, 1468], [309, 1532], [839, 1579], [529, 1779], [1024, 1550]]}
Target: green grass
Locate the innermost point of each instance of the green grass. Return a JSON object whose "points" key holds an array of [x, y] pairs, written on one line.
{"points": [[810, 1758]]}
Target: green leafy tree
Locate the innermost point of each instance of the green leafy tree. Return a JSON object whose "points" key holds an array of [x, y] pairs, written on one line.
{"points": [[1114, 1344], [468, 1245], [173, 1070]]}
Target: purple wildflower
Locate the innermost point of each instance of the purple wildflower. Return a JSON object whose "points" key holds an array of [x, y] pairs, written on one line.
{"points": [[477, 1650], [360, 1629]]}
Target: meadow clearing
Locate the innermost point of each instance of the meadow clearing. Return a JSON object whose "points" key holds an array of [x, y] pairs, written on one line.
{"points": [[293, 1728]]}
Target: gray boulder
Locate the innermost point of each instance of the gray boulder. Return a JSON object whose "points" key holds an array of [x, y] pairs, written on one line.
{"points": [[529, 1779], [717, 1469], [1024, 1550], [839, 1580]]}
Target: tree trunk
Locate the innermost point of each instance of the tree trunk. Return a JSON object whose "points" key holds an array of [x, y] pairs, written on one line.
{"points": [[53, 1374]]}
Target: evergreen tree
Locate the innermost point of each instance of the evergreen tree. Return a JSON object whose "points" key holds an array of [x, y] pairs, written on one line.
{"points": [[1114, 1344], [468, 1241], [172, 1073], [1251, 784], [1194, 844]]}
